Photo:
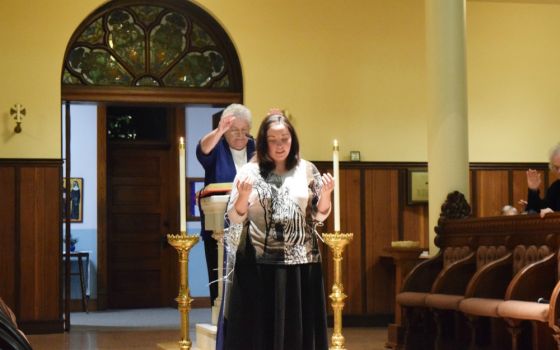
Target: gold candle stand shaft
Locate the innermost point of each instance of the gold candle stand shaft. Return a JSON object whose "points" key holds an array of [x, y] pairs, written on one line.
{"points": [[183, 244], [336, 242]]}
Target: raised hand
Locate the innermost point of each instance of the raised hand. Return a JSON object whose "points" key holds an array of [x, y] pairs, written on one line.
{"points": [[533, 179], [244, 187], [225, 123], [274, 110], [328, 184], [324, 204]]}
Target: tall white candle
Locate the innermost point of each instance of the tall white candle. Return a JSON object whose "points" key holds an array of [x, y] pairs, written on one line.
{"points": [[336, 187], [182, 191]]}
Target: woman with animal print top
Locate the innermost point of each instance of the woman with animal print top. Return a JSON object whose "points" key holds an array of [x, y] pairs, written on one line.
{"points": [[276, 299]]}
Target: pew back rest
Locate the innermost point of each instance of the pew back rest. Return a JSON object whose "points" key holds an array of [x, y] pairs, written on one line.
{"points": [[454, 254], [495, 278], [525, 255], [486, 254], [455, 277], [421, 278]]}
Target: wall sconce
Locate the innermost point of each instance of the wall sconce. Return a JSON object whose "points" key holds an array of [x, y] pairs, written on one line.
{"points": [[18, 112]]}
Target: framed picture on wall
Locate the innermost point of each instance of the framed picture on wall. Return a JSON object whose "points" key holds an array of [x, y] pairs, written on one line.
{"points": [[194, 184], [417, 185], [76, 199]]}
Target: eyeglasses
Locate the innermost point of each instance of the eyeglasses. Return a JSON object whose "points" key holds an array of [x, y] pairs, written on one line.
{"points": [[238, 132]]}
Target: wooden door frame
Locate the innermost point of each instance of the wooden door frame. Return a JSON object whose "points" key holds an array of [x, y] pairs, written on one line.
{"points": [[102, 101]]}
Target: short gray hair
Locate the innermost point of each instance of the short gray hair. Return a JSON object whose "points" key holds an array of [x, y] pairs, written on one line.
{"points": [[553, 153], [509, 210], [239, 111]]}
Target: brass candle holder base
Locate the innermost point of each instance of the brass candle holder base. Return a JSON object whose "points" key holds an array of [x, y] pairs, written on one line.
{"points": [[183, 244], [336, 242]]}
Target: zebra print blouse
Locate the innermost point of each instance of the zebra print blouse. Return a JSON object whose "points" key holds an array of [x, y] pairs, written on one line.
{"points": [[280, 223]]}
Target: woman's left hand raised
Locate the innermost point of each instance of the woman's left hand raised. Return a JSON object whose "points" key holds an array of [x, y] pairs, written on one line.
{"points": [[328, 183], [245, 186]]}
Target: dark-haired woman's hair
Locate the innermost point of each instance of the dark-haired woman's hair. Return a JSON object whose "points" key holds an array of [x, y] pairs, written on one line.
{"points": [[455, 206], [266, 164]]}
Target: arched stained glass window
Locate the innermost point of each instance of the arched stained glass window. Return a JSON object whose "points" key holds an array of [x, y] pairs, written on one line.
{"points": [[142, 44]]}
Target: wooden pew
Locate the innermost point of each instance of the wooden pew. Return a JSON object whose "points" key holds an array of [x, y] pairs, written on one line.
{"points": [[11, 338], [488, 290], [493, 279], [521, 302], [448, 291]]}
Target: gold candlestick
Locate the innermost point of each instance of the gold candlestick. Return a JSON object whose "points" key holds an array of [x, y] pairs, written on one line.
{"points": [[336, 242], [183, 244]]}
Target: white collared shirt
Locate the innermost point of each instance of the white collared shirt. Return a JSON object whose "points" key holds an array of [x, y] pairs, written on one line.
{"points": [[239, 157]]}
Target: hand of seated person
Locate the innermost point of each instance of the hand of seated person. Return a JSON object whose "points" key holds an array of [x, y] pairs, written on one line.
{"points": [[533, 179], [546, 211]]}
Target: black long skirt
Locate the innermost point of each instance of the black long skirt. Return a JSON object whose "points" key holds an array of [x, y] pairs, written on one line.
{"points": [[276, 307]]}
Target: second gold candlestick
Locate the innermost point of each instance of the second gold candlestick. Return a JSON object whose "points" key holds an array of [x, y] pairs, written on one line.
{"points": [[336, 242]]}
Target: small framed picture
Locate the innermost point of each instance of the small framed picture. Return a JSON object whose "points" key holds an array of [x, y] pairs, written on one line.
{"points": [[355, 156], [194, 184], [76, 199], [417, 185]]}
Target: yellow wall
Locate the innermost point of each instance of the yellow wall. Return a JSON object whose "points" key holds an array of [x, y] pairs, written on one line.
{"points": [[514, 80], [352, 70], [33, 38]]}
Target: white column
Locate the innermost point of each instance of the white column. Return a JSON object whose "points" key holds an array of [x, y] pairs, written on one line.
{"points": [[448, 156]]}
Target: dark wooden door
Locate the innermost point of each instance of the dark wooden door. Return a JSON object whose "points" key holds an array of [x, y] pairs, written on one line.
{"points": [[141, 188]]}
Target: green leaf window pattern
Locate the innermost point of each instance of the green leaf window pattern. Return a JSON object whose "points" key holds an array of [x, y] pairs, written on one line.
{"points": [[146, 45], [94, 33], [98, 67], [167, 41], [200, 38], [69, 79], [222, 83], [127, 40], [196, 69], [146, 14]]}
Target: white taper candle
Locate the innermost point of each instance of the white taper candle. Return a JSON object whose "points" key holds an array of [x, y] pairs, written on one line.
{"points": [[336, 187], [182, 191]]}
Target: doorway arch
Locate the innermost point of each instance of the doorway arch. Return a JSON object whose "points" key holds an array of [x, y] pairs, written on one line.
{"points": [[172, 53]]}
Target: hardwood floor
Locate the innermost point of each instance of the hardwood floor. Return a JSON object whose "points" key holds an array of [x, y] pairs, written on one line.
{"points": [[90, 338], [148, 329]]}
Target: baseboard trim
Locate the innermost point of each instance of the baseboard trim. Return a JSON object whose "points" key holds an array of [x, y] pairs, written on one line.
{"points": [[201, 302], [41, 327]]}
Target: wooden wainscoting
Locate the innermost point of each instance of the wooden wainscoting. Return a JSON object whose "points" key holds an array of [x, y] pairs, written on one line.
{"points": [[375, 208], [30, 242], [494, 185]]}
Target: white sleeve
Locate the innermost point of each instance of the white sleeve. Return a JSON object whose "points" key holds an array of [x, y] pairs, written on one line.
{"points": [[232, 214]]}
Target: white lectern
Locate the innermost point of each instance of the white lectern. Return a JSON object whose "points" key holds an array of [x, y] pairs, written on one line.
{"points": [[214, 208]]}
